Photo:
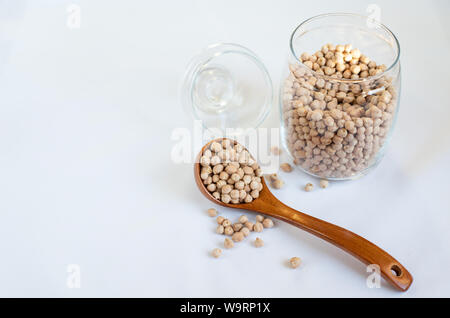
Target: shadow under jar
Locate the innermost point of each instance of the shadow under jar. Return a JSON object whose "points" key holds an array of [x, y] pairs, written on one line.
{"points": [[340, 96]]}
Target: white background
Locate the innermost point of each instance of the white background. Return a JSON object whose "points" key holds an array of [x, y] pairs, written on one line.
{"points": [[86, 178]]}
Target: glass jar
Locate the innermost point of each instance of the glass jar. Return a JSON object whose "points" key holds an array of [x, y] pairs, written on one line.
{"points": [[337, 117]]}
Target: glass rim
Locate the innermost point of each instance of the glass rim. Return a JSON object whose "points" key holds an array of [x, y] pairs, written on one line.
{"points": [[355, 15]]}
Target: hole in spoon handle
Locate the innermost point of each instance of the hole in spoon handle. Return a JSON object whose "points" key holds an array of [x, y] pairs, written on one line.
{"points": [[397, 275]]}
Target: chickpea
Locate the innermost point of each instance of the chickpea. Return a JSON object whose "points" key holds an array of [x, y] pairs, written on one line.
{"points": [[237, 227], [215, 160], [278, 184], [364, 59], [259, 218], [211, 187], [205, 161], [230, 169], [254, 185], [228, 243], [228, 230], [204, 174], [212, 212], [254, 194], [286, 167], [248, 170], [295, 262], [249, 225], [267, 223], [258, 227], [207, 153], [348, 57], [220, 229], [355, 69], [226, 189], [323, 183], [220, 220], [239, 185], [234, 194], [215, 147], [309, 187], [226, 143], [259, 242], [225, 198], [216, 253], [226, 223], [273, 177], [220, 184], [238, 237], [243, 219], [340, 67], [316, 115], [247, 179], [356, 53], [245, 231]]}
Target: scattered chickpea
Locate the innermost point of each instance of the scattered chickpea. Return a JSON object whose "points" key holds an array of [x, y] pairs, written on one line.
{"points": [[228, 243], [217, 252], [295, 262], [237, 227], [220, 219], [220, 229], [243, 219], [267, 223], [259, 218], [245, 231], [277, 184], [259, 242], [309, 187], [238, 236], [212, 212], [249, 225], [286, 167], [228, 230], [323, 183], [226, 223], [258, 227]]}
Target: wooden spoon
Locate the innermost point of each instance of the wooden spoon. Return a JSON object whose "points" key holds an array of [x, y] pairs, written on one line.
{"points": [[367, 252]]}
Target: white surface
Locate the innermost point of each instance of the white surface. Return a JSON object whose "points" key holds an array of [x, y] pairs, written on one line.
{"points": [[86, 118]]}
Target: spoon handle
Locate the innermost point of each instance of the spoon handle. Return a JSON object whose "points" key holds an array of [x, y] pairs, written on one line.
{"points": [[367, 252]]}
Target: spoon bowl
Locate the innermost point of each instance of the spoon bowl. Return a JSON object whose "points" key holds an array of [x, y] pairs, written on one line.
{"points": [[395, 273]]}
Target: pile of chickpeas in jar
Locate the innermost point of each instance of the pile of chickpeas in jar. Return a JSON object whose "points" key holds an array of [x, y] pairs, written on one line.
{"points": [[337, 109]]}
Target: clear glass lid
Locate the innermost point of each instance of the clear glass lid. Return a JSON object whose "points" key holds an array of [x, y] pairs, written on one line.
{"points": [[227, 86]]}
